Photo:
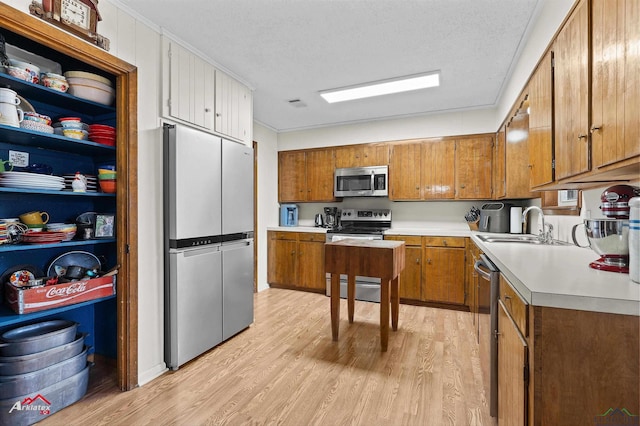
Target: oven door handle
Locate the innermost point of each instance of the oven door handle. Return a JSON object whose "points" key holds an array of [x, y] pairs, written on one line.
{"points": [[478, 268]]}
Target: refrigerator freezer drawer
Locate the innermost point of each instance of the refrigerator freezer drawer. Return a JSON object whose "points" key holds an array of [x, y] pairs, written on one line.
{"points": [[237, 290], [193, 300]]}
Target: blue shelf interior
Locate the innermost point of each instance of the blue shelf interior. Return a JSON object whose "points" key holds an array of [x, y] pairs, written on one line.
{"points": [[97, 318]]}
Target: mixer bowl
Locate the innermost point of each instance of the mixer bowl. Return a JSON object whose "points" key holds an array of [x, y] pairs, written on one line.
{"points": [[607, 237]]}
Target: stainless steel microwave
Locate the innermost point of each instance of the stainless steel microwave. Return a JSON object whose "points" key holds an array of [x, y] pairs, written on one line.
{"points": [[361, 182]]}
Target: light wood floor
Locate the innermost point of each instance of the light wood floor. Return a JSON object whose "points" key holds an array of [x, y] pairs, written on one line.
{"points": [[285, 370]]}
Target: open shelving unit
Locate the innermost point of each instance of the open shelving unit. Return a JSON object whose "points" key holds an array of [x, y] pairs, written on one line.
{"points": [[109, 322]]}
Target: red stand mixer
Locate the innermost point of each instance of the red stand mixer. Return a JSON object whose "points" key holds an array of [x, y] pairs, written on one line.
{"points": [[610, 237]]}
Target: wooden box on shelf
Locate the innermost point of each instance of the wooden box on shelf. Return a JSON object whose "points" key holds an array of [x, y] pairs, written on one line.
{"points": [[54, 296]]}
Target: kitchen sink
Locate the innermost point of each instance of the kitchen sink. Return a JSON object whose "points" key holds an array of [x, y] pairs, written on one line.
{"points": [[525, 239]]}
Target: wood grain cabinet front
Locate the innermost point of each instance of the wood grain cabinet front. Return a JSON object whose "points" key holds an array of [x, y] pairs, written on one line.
{"points": [[411, 276], [296, 260], [615, 112], [363, 155], [473, 168], [443, 273], [434, 269], [563, 366], [571, 93], [306, 175]]}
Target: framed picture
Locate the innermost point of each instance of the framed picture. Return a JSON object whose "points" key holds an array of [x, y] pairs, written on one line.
{"points": [[105, 226]]}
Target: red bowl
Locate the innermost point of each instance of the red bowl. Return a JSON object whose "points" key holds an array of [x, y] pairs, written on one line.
{"points": [[102, 134], [102, 127], [103, 140], [108, 186]]}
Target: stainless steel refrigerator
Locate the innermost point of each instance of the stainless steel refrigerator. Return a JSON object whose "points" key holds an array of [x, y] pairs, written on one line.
{"points": [[208, 241]]}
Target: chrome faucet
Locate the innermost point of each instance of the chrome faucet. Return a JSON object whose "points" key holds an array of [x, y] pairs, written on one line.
{"points": [[544, 234]]}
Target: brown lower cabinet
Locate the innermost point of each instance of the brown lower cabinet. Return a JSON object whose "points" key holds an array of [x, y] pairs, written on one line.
{"points": [[565, 366], [434, 269], [296, 260]]}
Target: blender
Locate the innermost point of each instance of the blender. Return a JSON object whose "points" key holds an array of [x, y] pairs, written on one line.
{"points": [[610, 237]]}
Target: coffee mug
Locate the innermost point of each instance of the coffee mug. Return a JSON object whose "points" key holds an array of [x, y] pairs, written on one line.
{"points": [[34, 218], [2, 167]]}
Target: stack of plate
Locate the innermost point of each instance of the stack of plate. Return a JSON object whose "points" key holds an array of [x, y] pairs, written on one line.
{"points": [[43, 237], [103, 134], [92, 182], [26, 180]]}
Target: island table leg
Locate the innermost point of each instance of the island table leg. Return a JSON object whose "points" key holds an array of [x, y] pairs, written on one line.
{"points": [[384, 313], [395, 302], [335, 306]]}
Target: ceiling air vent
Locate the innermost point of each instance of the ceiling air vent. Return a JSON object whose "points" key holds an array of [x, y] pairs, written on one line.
{"points": [[297, 103]]}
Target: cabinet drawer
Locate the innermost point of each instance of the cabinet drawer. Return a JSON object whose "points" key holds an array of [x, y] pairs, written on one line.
{"points": [[410, 240], [518, 308], [282, 235], [444, 241], [312, 236]]}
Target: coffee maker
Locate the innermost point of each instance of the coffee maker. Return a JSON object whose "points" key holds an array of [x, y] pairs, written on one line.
{"points": [[331, 217]]}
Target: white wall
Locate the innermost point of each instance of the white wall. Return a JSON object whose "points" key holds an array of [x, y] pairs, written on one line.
{"points": [[267, 141]]}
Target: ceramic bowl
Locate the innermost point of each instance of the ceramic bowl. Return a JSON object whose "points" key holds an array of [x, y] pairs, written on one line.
{"points": [[38, 118], [108, 186], [18, 73], [59, 84], [87, 76], [75, 133], [91, 93], [33, 70], [105, 140], [107, 176]]}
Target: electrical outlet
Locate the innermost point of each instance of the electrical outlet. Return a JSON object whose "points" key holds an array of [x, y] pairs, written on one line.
{"points": [[19, 159]]}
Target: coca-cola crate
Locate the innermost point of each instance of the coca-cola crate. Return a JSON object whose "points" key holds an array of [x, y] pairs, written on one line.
{"points": [[54, 296]]}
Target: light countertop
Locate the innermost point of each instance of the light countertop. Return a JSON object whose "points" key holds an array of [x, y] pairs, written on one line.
{"points": [[559, 276], [544, 275]]}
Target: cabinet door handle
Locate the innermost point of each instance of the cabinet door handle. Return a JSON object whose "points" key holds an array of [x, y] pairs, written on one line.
{"points": [[462, 186], [293, 252], [218, 114], [428, 261], [417, 261], [582, 136], [444, 242], [594, 128], [207, 110]]}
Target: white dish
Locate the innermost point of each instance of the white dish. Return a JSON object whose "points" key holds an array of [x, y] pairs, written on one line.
{"points": [[88, 75], [92, 94], [31, 175], [30, 186]]}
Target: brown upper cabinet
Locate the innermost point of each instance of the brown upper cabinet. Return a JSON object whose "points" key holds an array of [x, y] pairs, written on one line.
{"points": [[615, 113], [517, 140], [499, 164], [422, 170], [363, 155], [441, 169], [473, 167], [306, 175], [540, 92], [571, 89]]}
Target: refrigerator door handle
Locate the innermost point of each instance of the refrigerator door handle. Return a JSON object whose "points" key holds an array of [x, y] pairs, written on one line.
{"points": [[199, 251]]}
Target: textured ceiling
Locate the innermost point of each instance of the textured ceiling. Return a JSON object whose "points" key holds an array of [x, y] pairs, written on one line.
{"points": [[292, 49]]}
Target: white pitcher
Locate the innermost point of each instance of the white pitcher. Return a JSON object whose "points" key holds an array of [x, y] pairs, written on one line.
{"points": [[10, 114]]}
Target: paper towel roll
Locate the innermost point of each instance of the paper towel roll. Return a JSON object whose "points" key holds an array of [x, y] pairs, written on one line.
{"points": [[634, 239], [516, 220]]}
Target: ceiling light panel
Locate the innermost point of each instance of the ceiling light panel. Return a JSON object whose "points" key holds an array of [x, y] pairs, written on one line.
{"points": [[386, 87]]}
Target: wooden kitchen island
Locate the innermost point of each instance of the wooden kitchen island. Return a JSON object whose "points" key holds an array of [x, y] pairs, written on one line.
{"points": [[367, 258]]}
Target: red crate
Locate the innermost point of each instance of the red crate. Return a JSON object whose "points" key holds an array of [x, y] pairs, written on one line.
{"points": [[55, 296]]}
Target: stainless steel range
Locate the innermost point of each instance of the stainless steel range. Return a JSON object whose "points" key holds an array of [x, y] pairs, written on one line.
{"points": [[364, 224]]}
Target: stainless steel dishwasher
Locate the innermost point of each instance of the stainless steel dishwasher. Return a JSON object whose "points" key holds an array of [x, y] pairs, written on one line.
{"points": [[488, 284]]}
